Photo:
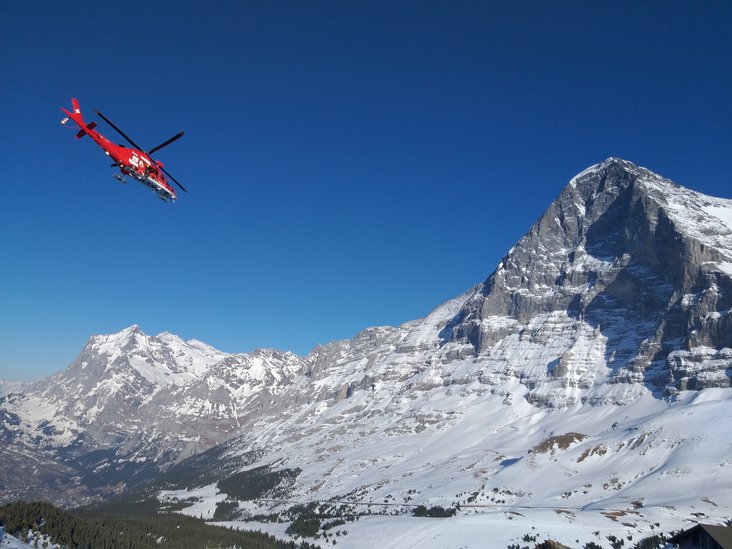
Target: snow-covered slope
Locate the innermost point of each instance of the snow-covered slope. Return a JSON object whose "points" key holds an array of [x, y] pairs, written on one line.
{"points": [[631, 470], [590, 373]]}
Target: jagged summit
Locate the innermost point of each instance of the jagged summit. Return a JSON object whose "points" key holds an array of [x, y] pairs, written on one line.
{"points": [[610, 165]]}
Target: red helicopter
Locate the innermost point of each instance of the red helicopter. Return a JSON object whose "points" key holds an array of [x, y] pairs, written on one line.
{"points": [[135, 163]]}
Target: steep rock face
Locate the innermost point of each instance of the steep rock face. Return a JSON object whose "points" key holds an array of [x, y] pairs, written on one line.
{"points": [[640, 260]]}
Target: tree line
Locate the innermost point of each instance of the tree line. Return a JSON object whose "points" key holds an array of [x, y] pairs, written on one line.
{"points": [[163, 531]]}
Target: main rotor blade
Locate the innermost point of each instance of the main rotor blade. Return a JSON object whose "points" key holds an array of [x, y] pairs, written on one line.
{"points": [[173, 178], [168, 142], [108, 121]]}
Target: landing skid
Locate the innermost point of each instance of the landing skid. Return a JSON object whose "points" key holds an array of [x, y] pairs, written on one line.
{"points": [[150, 183]]}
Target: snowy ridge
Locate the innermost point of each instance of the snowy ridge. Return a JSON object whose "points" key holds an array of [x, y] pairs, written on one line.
{"points": [[704, 218]]}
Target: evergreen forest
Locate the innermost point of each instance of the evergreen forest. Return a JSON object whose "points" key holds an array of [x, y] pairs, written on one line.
{"points": [[84, 530]]}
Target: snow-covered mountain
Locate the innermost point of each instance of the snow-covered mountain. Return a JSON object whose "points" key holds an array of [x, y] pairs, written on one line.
{"points": [[590, 371], [76, 421]]}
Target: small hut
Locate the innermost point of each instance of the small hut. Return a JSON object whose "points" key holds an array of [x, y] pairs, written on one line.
{"points": [[704, 536]]}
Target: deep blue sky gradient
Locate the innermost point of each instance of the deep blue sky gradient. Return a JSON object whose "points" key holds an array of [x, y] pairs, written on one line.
{"points": [[349, 163]]}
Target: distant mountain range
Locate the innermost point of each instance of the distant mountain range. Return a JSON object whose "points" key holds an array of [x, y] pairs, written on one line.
{"points": [[590, 370], [7, 387]]}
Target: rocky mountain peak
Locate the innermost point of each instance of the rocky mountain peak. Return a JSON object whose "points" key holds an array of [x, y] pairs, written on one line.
{"points": [[626, 256]]}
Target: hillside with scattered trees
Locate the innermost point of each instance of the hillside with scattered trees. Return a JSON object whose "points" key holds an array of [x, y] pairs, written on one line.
{"points": [[84, 530]]}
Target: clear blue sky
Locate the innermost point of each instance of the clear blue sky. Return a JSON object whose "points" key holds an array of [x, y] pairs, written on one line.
{"points": [[349, 163]]}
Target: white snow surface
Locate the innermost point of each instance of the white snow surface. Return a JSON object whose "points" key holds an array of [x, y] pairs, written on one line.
{"points": [[36, 540]]}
